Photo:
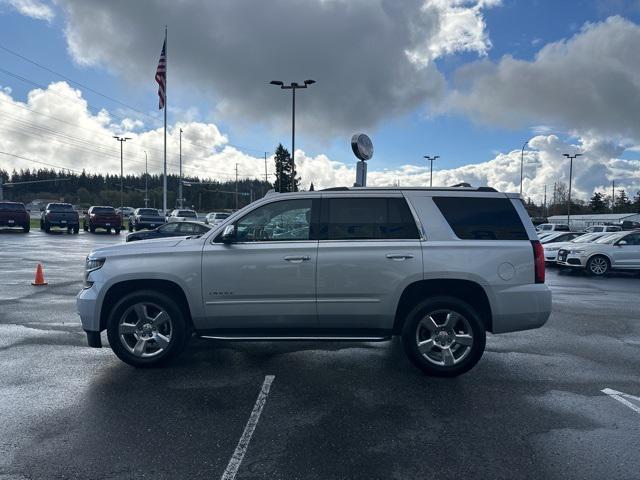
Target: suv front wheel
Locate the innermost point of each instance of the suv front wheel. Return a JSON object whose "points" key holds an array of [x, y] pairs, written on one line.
{"points": [[443, 336], [146, 328]]}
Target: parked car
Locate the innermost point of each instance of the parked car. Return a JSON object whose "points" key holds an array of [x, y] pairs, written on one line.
{"points": [[125, 211], [557, 237], [629, 225], [552, 227], [60, 215], [615, 251], [14, 214], [102, 217], [215, 218], [172, 229], [182, 215], [551, 249], [603, 228], [145, 218], [439, 267]]}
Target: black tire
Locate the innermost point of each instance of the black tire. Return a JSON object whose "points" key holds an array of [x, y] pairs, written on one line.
{"points": [[117, 231], [92, 229], [598, 266], [84, 227], [47, 228], [108, 229], [76, 229], [69, 229], [41, 225], [26, 228], [467, 324], [180, 328], [130, 227]]}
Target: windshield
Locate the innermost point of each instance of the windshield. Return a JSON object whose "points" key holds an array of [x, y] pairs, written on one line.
{"points": [[609, 238], [148, 211], [589, 237], [545, 226], [60, 207], [12, 207], [220, 216]]}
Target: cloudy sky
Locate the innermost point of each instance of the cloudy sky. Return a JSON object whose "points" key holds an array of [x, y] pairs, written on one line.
{"points": [[469, 80]]}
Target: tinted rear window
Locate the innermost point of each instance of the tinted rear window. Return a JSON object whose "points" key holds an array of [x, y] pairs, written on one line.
{"points": [[148, 211], [12, 207], [220, 216], [475, 218], [60, 207], [367, 219], [186, 213], [104, 210]]}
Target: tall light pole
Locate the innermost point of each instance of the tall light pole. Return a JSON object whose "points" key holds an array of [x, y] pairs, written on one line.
{"points": [[121, 140], [431, 159], [570, 157], [293, 87], [146, 180], [522, 164], [180, 184]]}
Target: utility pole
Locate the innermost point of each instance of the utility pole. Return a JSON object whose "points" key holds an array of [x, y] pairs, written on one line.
{"points": [[613, 195], [180, 184], [544, 205], [570, 157], [522, 164], [431, 159], [293, 87], [236, 186], [121, 140], [266, 176], [146, 180]]}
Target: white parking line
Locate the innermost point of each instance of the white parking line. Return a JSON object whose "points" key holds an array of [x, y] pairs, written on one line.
{"points": [[243, 443], [620, 396]]}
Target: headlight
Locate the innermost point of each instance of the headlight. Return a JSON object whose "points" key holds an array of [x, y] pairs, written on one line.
{"points": [[91, 265], [552, 249]]}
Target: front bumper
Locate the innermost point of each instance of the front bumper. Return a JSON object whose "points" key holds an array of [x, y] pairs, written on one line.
{"points": [[551, 256], [573, 260], [87, 303]]}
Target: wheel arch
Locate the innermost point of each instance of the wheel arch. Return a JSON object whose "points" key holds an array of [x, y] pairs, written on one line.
{"points": [[466, 290], [167, 287], [599, 254]]}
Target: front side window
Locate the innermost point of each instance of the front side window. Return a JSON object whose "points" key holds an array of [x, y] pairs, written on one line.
{"points": [[367, 219], [633, 239], [169, 228], [288, 220]]}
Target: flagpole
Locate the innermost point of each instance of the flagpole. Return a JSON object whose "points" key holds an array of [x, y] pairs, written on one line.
{"points": [[164, 185]]}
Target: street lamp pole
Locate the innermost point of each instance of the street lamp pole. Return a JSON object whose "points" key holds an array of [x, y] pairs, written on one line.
{"points": [[522, 164], [431, 159], [146, 180], [570, 157], [293, 87], [180, 184], [121, 140]]}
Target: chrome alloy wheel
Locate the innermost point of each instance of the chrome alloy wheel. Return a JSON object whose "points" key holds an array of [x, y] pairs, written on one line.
{"points": [[444, 337], [145, 329], [598, 265]]}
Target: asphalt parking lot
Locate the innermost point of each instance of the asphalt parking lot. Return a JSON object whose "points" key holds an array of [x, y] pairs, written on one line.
{"points": [[532, 408]]}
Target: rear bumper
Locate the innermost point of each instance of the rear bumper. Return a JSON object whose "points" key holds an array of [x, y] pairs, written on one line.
{"points": [[146, 224], [63, 223], [105, 224], [14, 223], [521, 308]]}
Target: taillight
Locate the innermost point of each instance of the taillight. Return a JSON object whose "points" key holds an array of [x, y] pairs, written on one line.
{"points": [[538, 260]]}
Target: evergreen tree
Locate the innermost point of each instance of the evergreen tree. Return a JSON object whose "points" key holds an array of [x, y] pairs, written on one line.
{"points": [[597, 203], [285, 171], [622, 202]]}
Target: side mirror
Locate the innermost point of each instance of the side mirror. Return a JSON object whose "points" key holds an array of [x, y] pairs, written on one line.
{"points": [[42, 209], [228, 234], [621, 243]]}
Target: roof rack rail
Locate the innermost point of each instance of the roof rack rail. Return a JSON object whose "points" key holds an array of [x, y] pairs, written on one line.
{"points": [[335, 189]]}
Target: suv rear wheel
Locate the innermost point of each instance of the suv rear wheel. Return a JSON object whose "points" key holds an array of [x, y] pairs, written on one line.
{"points": [[443, 336], [146, 328]]}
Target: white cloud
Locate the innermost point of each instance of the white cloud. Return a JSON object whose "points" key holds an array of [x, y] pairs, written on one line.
{"points": [[64, 132], [32, 8], [588, 85], [371, 58]]}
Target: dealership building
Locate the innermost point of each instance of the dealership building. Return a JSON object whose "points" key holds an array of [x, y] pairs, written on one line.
{"points": [[580, 222]]}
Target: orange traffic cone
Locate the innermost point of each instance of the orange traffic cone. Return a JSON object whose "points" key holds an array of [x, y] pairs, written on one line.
{"points": [[39, 276]]}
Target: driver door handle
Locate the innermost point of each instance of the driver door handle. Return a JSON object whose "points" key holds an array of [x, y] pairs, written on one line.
{"points": [[399, 256], [297, 258]]}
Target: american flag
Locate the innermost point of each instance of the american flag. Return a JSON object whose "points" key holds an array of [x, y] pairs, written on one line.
{"points": [[161, 76]]}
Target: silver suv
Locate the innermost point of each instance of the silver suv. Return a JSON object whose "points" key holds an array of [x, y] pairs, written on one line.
{"points": [[439, 267]]}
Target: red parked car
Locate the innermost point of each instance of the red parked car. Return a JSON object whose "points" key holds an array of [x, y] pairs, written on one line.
{"points": [[14, 214], [102, 217]]}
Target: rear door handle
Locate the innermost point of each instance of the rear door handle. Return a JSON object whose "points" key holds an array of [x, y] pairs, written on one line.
{"points": [[398, 257], [297, 258]]}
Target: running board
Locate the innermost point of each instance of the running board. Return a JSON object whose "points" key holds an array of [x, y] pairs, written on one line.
{"points": [[296, 338]]}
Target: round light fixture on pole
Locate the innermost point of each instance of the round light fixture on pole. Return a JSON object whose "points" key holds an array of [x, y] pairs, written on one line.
{"points": [[362, 146]]}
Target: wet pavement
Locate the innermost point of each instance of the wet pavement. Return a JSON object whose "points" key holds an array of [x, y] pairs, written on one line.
{"points": [[532, 407]]}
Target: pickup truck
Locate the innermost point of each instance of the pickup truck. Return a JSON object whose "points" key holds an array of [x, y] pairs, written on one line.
{"points": [[182, 216], [60, 215], [145, 218], [102, 217], [14, 214]]}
